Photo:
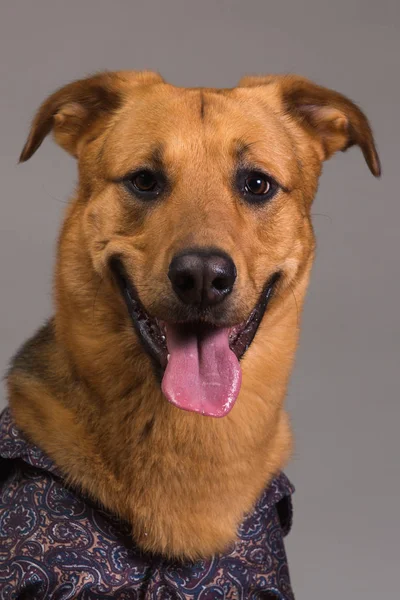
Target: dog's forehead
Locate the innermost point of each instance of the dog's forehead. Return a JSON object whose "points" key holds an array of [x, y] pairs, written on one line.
{"points": [[191, 124]]}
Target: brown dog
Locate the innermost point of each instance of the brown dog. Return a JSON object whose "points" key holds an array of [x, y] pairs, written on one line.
{"points": [[191, 222]]}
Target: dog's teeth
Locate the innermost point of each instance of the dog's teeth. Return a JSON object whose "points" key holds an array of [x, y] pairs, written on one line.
{"points": [[168, 355], [163, 337]]}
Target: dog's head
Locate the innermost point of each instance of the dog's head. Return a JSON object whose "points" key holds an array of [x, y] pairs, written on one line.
{"points": [[194, 208]]}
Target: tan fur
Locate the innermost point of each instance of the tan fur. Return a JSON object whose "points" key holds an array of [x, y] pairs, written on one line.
{"points": [[84, 390]]}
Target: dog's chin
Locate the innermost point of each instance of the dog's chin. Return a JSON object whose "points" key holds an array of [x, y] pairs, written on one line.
{"points": [[197, 360]]}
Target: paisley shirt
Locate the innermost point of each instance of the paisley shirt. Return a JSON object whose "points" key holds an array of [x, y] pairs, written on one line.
{"points": [[56, 544]]}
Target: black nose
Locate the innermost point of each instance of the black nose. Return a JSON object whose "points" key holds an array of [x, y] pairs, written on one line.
{"points": [[202, 277]]}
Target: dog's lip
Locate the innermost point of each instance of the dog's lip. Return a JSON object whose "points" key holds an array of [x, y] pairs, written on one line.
{"points": [[152, 331]]}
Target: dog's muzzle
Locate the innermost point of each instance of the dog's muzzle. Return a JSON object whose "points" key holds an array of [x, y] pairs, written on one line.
{"points": [[199, 359]]}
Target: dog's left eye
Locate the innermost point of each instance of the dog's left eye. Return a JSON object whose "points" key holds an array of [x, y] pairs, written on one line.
{"points": [[256, 186]]}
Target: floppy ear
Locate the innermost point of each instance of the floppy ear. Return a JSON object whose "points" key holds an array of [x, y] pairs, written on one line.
{"points": [[331, 118], [73, 110]]}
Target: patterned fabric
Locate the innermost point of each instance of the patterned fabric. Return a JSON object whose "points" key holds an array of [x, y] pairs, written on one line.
{"points": [[54, 544]]}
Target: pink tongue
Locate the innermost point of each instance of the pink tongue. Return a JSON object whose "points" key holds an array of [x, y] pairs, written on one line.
{"points": [[203, 374]]}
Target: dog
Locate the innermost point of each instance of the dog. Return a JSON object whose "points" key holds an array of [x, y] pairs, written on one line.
{"points": [[157, 388]]}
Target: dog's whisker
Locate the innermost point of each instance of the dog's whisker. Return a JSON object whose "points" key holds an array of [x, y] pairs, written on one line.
{"points": [[54, 197], [96, 296], [93, 278], [296, 303], [322, 215], [281, 297]]}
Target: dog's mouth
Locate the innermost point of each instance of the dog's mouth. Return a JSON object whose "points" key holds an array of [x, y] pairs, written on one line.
{"points": [[200, 361]]}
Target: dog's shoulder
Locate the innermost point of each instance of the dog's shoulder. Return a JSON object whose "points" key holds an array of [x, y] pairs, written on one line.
{"points": [[40, 368], [30, 358]]}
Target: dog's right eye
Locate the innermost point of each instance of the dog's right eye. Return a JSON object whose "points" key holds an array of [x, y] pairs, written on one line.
{"points": [[144, 181], [144, 184]]}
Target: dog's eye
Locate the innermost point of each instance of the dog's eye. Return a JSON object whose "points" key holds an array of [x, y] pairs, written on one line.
{"points": [[144, 181], [256, 187], [145, 184], [257, 184]]}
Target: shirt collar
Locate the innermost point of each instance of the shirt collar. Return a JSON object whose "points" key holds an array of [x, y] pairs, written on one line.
{"points": [[14, 445]]}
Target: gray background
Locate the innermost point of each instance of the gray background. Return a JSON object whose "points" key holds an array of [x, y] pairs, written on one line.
{"points": [[343, 396]]}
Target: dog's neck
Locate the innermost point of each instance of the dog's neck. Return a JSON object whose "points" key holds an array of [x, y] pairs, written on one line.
{"points": [[182, 480]]}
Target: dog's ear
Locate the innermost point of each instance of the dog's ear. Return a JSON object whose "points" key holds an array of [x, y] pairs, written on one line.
{"points": [[333, 120], [72, 111]]}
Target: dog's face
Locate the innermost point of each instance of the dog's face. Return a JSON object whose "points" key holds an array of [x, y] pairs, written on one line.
{"points": [[194, 208]]}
